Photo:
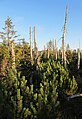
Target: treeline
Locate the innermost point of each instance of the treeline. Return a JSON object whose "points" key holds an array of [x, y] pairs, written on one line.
{"points": [[35, 84]]}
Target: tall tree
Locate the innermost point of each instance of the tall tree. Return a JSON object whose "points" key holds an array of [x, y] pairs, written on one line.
{"points": [[30, 32], [63, 39], [8, 33], [8, 36]]}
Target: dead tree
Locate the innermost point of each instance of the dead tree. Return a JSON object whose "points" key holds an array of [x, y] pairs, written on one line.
{"points": [[12, 55], [35, 47], [36, 56], [55, 50], [44, 52], [34, 42], [79, 58], [63, 39], [53, 46], [31, 57], [48, 51]]}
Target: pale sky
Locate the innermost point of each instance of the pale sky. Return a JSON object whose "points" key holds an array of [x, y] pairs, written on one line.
{"points": [[48, 17]]}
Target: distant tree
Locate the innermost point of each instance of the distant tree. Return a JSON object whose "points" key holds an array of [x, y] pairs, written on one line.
{"points": [[68, 47], [8, 33], [50, 45]]}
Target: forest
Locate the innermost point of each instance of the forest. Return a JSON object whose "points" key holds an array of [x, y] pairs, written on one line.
{"points": [[38, 84]]}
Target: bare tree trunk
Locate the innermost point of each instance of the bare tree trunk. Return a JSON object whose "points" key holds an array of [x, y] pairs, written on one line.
{"points": [[48, 53], [56, 54], [63, 39], [44, 52], [63, 50], [31, 57], [56, 50], [12, 55], [8, 37], [53, 46], [35, 47], [79, 58], [35, 40]]}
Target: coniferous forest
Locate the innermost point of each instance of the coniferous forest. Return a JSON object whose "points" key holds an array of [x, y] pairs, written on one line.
{"points": [[38, 84]]}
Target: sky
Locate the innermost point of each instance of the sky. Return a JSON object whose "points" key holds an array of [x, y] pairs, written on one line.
{"points": [[48, 16]]}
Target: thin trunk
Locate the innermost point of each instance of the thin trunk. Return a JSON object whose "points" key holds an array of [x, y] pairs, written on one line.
{"points": [[34, 39], [63, 40], [53, 46], [63, 49], [31, 57], [78, 58], [48, 53], [13, 55], [35, 47], [56, 50]]}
